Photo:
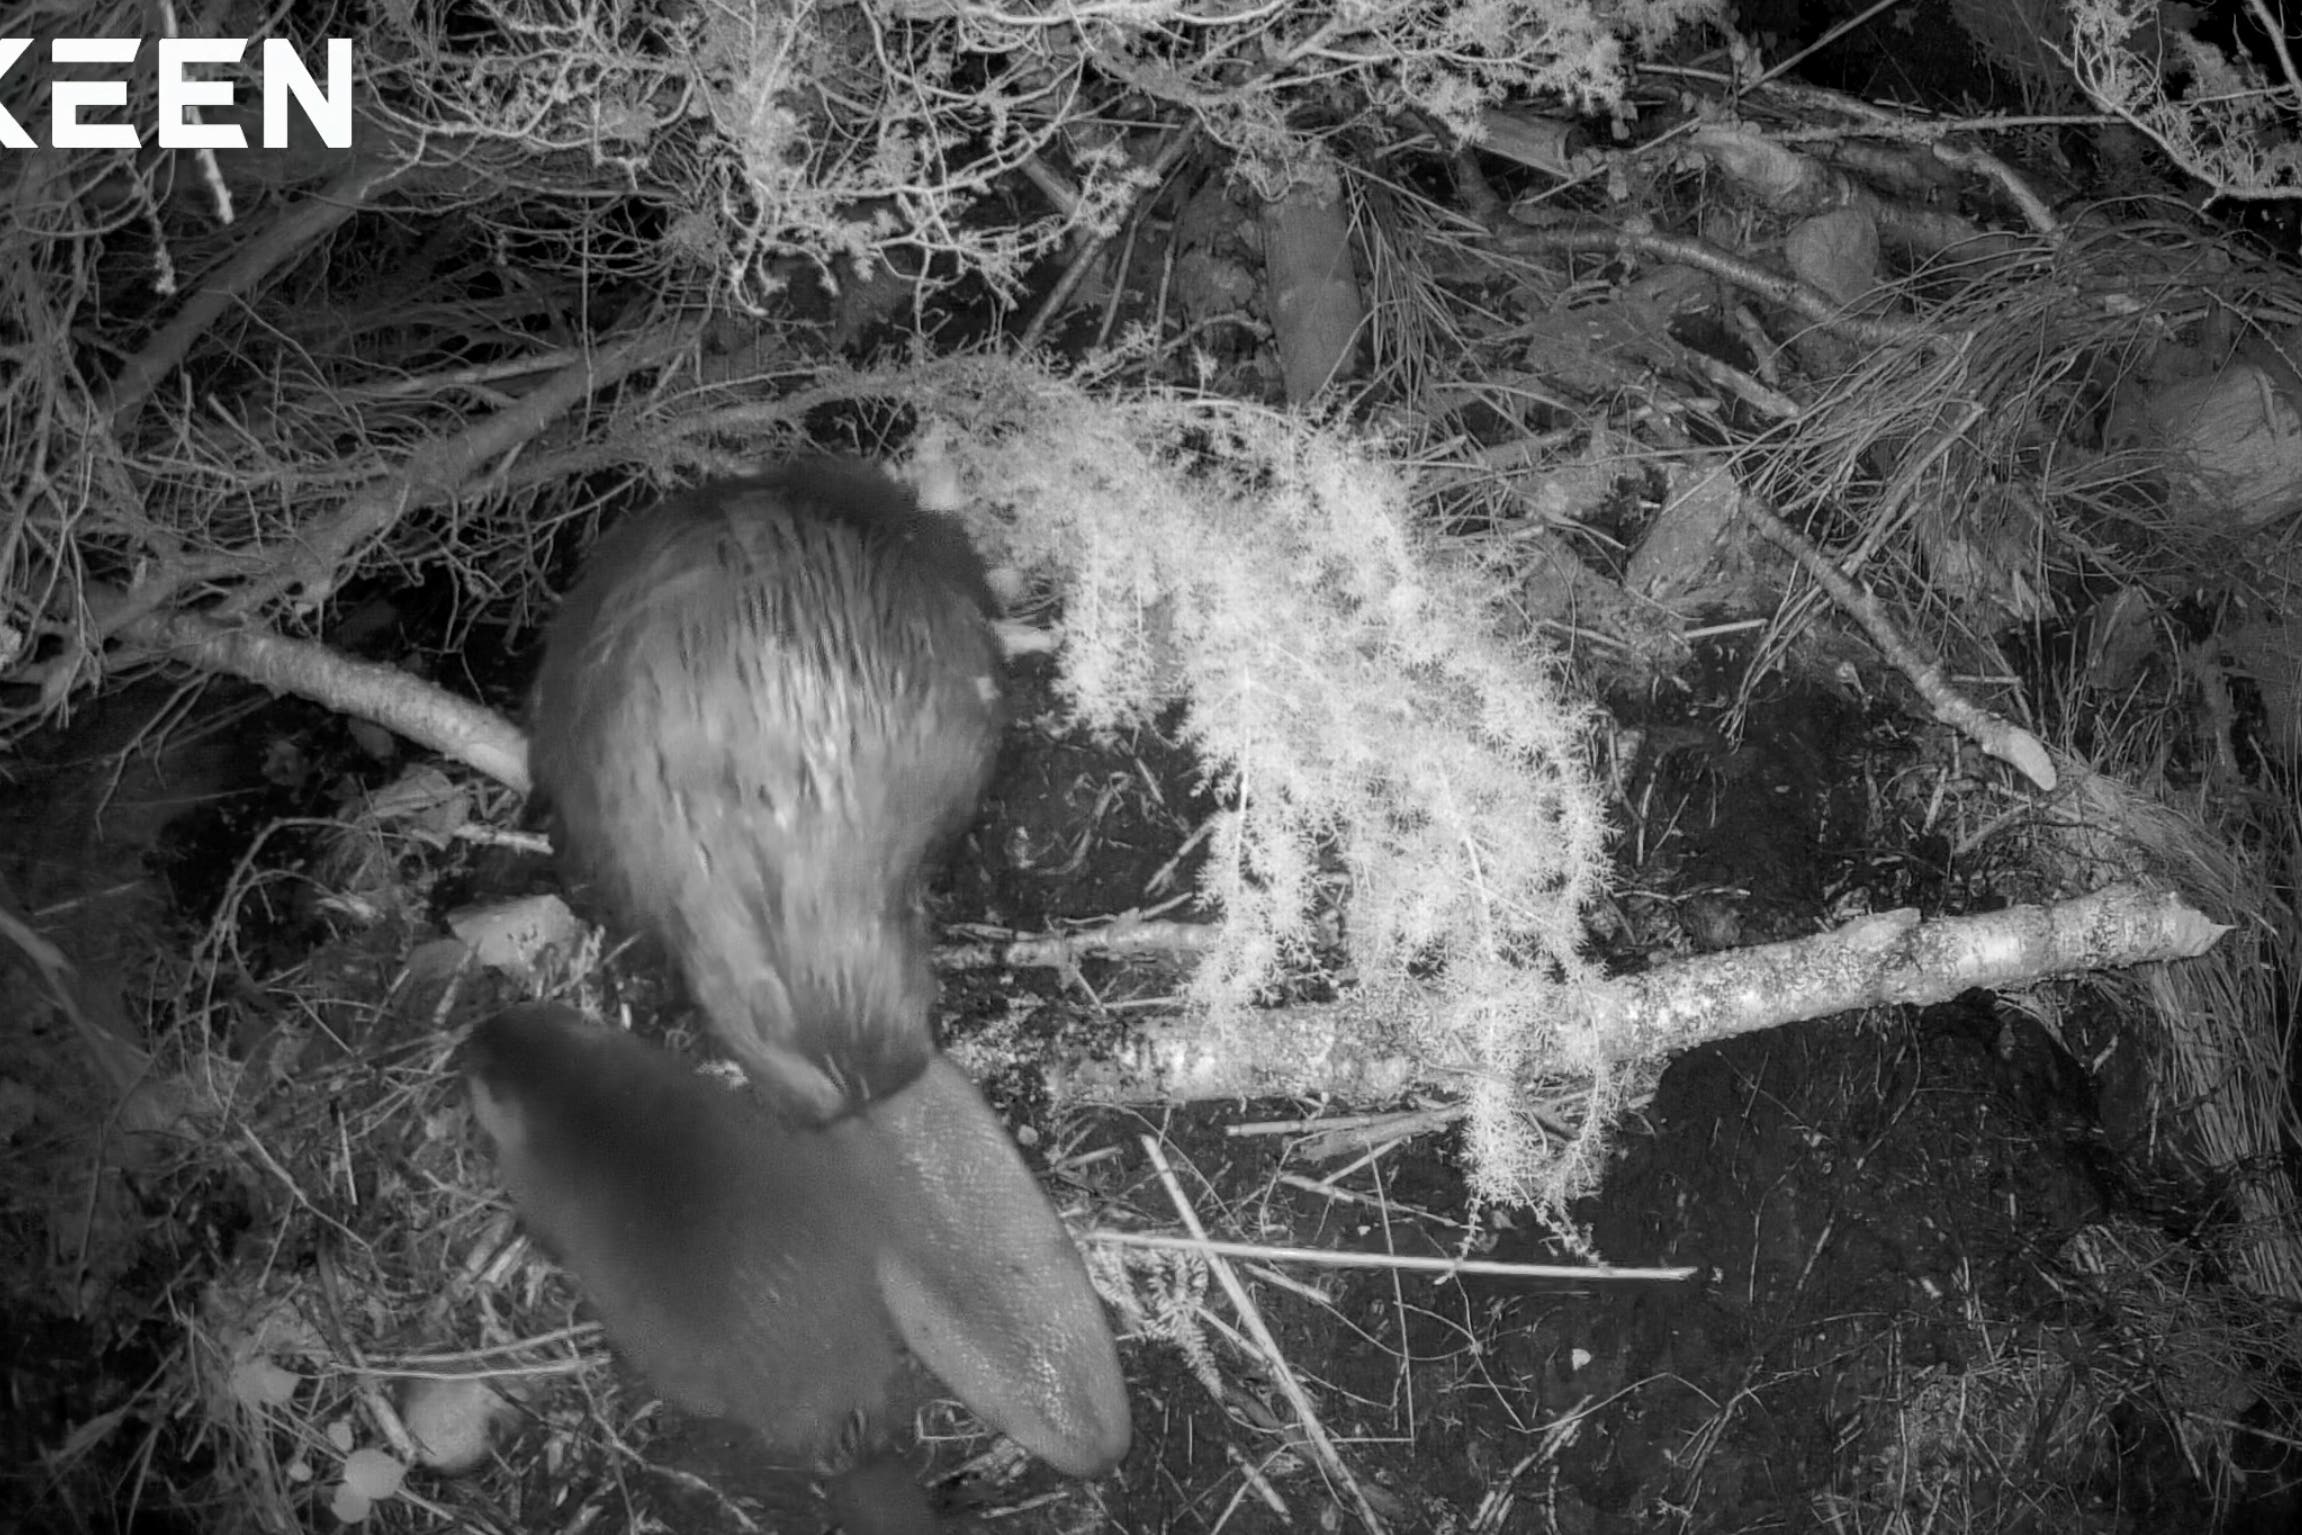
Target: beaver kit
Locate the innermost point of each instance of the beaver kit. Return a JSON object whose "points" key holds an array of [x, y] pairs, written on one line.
{"points": [[728, 1253], [761, 712]]}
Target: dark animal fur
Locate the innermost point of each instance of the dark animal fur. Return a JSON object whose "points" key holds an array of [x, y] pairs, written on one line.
{"points": [[761, 710], [731, 1255], [772, 1273]]}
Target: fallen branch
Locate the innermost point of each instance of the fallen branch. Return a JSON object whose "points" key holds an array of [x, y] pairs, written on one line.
{"points": [[401, 702], [1993, 732], [1363, 1050]]}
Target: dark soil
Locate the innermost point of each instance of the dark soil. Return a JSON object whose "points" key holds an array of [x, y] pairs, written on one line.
{"points": [[1888, 1325]]}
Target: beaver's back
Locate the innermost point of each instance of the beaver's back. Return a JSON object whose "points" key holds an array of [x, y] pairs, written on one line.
{"points": [[762, 708]]}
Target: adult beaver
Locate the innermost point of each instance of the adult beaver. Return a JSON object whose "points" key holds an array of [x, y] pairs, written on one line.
{"points": [[762, 710]]}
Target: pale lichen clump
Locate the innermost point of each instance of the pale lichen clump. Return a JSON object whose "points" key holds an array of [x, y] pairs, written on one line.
{"points": [[1350, 696]]}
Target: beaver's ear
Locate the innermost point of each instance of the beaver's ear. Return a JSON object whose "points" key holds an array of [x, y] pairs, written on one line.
{"points": [[985, 1285]]}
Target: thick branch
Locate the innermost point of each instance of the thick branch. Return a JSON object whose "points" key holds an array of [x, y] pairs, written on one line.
{"points": [[406, 705], [292, 233], [1364, 1051], [327, 550]]}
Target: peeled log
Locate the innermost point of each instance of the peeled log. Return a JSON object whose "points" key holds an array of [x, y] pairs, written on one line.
{"points": [[1316, 307], [1368, 1051]]}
